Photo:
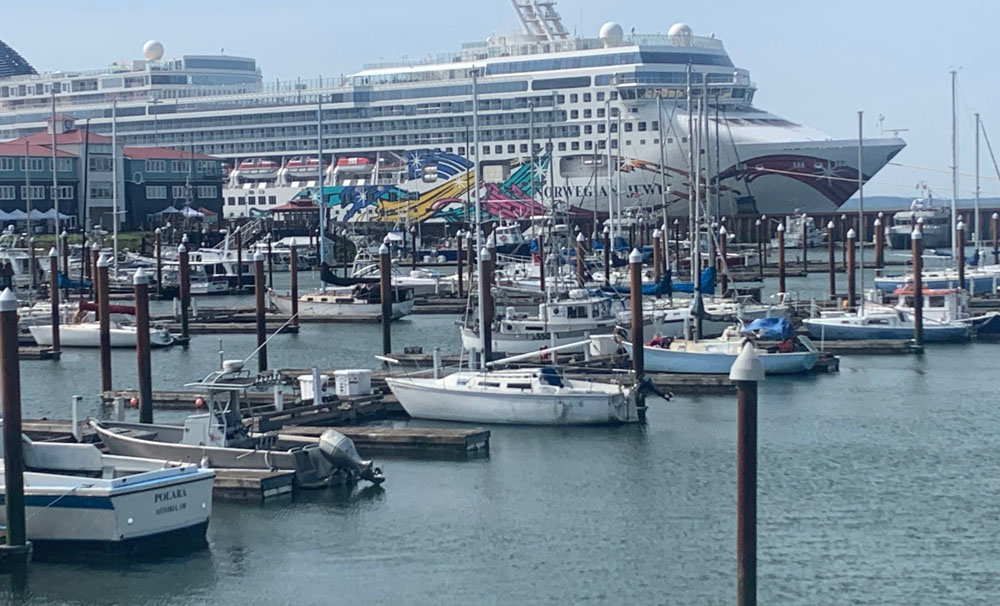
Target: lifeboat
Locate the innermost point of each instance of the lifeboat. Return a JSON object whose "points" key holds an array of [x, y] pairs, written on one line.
{"points": [[258, 168], [304, 167]]}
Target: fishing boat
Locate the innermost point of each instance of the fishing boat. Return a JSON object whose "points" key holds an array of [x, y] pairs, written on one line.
{"points": [[88, 334], [363, 302], [79, 500], [978, 280], [880, 324], [538, 396], [792, 355], [935, 225], [797, 223], [946, 305], [556, 323], [219, 438]]}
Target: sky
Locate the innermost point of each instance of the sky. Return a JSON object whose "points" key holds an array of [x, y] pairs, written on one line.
{"points": [[817, 63]]}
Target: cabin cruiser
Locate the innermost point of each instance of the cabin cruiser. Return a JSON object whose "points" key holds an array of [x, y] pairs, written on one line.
{"points": [[935, 225], [363, 302]]}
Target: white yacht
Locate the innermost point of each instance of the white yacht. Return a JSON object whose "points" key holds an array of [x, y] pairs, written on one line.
{"points": [[395, 136]]}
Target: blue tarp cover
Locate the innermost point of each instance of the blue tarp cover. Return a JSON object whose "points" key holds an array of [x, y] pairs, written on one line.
{"points": [[771, 328]]}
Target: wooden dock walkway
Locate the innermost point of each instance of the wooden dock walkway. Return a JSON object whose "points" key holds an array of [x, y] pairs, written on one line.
{"points": [[406, 441]]}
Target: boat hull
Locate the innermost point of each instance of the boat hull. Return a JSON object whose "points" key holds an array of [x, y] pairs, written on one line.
{"points": [[521, 343], [422, 402], [365, 311], [657, 359], [933, 333], [74, 336]]}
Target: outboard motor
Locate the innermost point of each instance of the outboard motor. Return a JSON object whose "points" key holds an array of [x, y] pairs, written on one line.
{"points": [[341, 453]]}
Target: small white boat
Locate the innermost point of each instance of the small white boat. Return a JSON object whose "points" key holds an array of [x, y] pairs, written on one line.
{"points": [[882, 323], [88, 334], [363, 302], [78, 500], [538, 396], [716, 356]]}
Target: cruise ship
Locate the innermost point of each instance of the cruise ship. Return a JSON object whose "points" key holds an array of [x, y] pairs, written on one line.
{"points": [[555, 113]]}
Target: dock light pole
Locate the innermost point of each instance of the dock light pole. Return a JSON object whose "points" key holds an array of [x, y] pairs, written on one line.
{"points": [[916, 243], [746, 371], [832, 260], [960, 247], [64, 241], [54, 297], [385, 296], [581, 269], [723, 267], [781, 257], [270, 263], [293, 268], [851, 286], [458, 258], [184, 285], [635, 302], [607, 255], [158, 240], [259, 289], [140, 286], [33, 263], [104, 319], [17, 551]]}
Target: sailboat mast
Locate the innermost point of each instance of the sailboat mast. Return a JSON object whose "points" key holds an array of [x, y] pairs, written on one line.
{"points": [[861, 211], [978, 236], [691, 178], [611, 204], [695, 236], [663, 164], [319, 178], [710, 214], [114, 180], [954, 169], [479, 232], [55, 178]]}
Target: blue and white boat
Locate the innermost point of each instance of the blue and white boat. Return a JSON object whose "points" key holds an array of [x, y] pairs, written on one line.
{"points": [[716, 356], [978, 280], [882, 324], [80, 501]]}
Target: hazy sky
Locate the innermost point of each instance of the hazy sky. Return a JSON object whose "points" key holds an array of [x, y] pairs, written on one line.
{"points": [[814, 62]]}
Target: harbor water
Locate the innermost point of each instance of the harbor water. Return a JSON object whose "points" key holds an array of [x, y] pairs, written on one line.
{"points": [[877, 485]]}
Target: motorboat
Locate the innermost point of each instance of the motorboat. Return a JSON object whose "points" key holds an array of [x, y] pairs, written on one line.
{"points": [[554, 324], [882, 323], [946, 305], [793, 234], [362, 302], [538, 396], [791, 355], [984, 279], [935, 225], [219, 438], [81, 501]]}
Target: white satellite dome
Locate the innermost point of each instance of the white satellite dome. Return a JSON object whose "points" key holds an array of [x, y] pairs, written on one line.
{"points": [[153, 50], [611, 34], [680, 32]]}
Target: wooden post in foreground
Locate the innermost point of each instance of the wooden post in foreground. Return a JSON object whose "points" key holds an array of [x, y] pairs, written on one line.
{"points": [[293, 268], [917, 241], [54, 297], [746, 372], [17, 550], [635, 303], [781, 257], [385, 296], [259, 289], [140, 287], [105, 322]]}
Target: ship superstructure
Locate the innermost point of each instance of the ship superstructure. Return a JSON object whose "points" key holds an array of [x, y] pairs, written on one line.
{"points": [[555, 113]]}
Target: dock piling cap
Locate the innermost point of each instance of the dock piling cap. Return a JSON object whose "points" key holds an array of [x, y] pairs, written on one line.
{"points": [[182, 248], [916, 234], [53, 252], [258, 256], [850, 234], [485, 254], [8, 302], [103, 260], [635, 256], [140, 277], [831, 225], [580, 237], [722, 230], [747, 366], [383, 250], [781, 227]]}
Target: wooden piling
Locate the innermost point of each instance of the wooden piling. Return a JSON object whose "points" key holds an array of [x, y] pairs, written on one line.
{"points": [[140, 286], [657, 257], [413, 247], [677, 246], [581, 269], [764, 242], [960, 247], [64, 242], [723, 268], [877, 228], [541, 262], [746, 372], [760, 248], [917, 241], [607, 256], [54, 297], [34, 263], [104, 318], [805, 245], [851, 282], [487, 295], [270, 262], [995, 228], [635, 304], [239, 260], [781, 257], [184, 286], [844, 226], [293, 269], [385, 296], [259, 290], [832, 260], [10, 370], [458, 257], [158, 243], [470, 250], [95, 255]]}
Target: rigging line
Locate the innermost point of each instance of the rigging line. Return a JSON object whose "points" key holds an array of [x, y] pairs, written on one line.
{"points": [[989, 147], [939, 170], [736, 152]]}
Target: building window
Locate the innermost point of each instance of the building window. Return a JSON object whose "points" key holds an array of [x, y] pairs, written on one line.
{"points": [[206, 166], [6, 163], [586, 97], [574, 114], [642, 126], [600, 96], [243, 201], [574, 146], [103, 164], [588, 145], [600, 112], [588, 129], [573, 98], [510, 149], [180, 166], [156, 192], [207, 192], [655, 125], [34, 164], [155, 166], [562, 146], [587, 113], [179, 192], [100, 190], [231, 200], [600, 128], [8, 192], [613, 95], [272, 200], [628, 127], [37, 192], [524, 148], [64, 165], [498, 149], [63, 192]]}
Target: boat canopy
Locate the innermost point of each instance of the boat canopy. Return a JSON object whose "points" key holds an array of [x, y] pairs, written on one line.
{"points": [[770, 328]]}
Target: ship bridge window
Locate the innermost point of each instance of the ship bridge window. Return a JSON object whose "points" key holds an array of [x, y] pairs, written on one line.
{"points": [[556, 83]]}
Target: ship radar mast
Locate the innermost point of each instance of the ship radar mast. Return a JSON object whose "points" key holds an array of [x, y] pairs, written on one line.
{"points": [[540, 19]]}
